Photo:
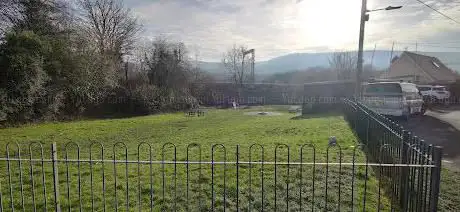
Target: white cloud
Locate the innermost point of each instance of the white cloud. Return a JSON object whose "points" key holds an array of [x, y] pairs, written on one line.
{"points": [[276, 27]]}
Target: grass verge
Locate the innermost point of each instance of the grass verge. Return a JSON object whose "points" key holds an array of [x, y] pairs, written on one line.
{"points": [[120, 186]]}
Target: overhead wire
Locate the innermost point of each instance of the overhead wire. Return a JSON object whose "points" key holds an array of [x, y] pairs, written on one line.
{"points": [[439, 12]]}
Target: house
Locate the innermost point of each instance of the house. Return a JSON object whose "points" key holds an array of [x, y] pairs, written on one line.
{"points": [[420, 69]]}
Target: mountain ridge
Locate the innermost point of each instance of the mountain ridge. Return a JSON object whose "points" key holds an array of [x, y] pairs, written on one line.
{"points": [[302, 61]]}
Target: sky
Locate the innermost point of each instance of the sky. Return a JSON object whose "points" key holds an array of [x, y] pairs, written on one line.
{"points": [[277, 27]]}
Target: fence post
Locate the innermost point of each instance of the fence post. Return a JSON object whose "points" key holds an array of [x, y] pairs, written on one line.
{"points": [[357, 124], [238, 177], [367, 128], [54, 158], [404, 178], [436, 177]]}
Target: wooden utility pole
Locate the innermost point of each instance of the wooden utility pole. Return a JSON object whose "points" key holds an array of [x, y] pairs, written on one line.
{"points": [[364, 18], [414, 78]]}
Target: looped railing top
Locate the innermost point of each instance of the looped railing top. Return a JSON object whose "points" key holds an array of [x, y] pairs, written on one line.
{"points": [[18, 148], [40, 145], [333, 146], [139, 150], [213, 151], [327, 172], [163, 171], [163, 150], [91, 149], [93, 143], [313, 148], [212, 175], [287, 173], [189, 147], [193, 145], [32, 180], [123, 145], [66, 152], [261, 147], [277, 146], [261, 151], [20, 174], [311, 145]]}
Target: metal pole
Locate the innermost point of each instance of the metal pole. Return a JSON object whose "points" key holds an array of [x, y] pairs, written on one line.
{"points": [[415, 64], [404, 178], [253, 66], [391, 60], [373, 53], [242, 69], [359, 71], [54, 159], [436, 177]]}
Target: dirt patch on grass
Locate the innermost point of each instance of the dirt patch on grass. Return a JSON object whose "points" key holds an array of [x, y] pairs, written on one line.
{"points": [[262, 113]]}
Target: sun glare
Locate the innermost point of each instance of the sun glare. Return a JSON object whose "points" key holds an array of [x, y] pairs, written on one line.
{"points": [[332, 23]]}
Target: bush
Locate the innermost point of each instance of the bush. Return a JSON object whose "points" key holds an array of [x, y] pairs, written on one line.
{"points": [[144, 99], [23, 78]]}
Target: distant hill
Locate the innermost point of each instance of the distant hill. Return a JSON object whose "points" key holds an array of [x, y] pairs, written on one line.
{"points": [[302, 61], [211, 67]]}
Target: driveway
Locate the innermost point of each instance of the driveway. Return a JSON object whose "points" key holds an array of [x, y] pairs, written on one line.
{"points": [[441, 127]]}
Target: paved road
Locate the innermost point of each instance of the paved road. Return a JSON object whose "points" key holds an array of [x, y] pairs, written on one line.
{"points": [[440, 127]]}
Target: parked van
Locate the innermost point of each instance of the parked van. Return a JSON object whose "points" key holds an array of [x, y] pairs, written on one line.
{"points": [[393, 98], [434, 93]]}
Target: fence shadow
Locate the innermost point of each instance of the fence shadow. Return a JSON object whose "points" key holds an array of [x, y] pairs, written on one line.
{"points": [[437, 132], [317, 115]]}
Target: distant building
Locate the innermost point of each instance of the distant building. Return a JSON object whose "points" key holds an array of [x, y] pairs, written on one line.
{"points": [[421, 69]]}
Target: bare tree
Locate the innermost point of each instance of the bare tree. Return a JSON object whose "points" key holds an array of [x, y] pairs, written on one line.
{"points": [[344, 64], [233, 63], [167, 64], [43, 17], [8, 14], [195, 69], [111, 24]]}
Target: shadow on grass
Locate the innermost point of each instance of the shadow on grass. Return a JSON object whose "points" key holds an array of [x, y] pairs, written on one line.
{"points": [[317, 115]]}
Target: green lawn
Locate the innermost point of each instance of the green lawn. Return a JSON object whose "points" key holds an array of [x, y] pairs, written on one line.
{"points": [[227, 127], [449, 197]]}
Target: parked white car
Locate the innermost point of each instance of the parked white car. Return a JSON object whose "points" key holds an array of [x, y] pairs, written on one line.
{"points": [[434, 92], [393, 98]]}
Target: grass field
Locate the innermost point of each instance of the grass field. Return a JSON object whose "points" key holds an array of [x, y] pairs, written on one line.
{"points": [[227, 127], [449, 197]]}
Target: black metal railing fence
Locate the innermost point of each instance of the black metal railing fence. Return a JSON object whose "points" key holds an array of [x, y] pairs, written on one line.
{"points": [[194, 178], [416, 189]]}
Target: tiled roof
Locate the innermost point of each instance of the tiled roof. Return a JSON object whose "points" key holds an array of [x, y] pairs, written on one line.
{"points": [[432, 66]]}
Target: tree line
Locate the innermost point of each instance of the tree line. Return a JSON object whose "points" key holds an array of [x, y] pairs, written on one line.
{"points": [[64, 60]]}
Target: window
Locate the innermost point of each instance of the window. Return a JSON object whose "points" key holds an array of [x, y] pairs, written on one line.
{"points": [[424, 88], [409, 88], [439, 89], [435, 64], [383, 88]]}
